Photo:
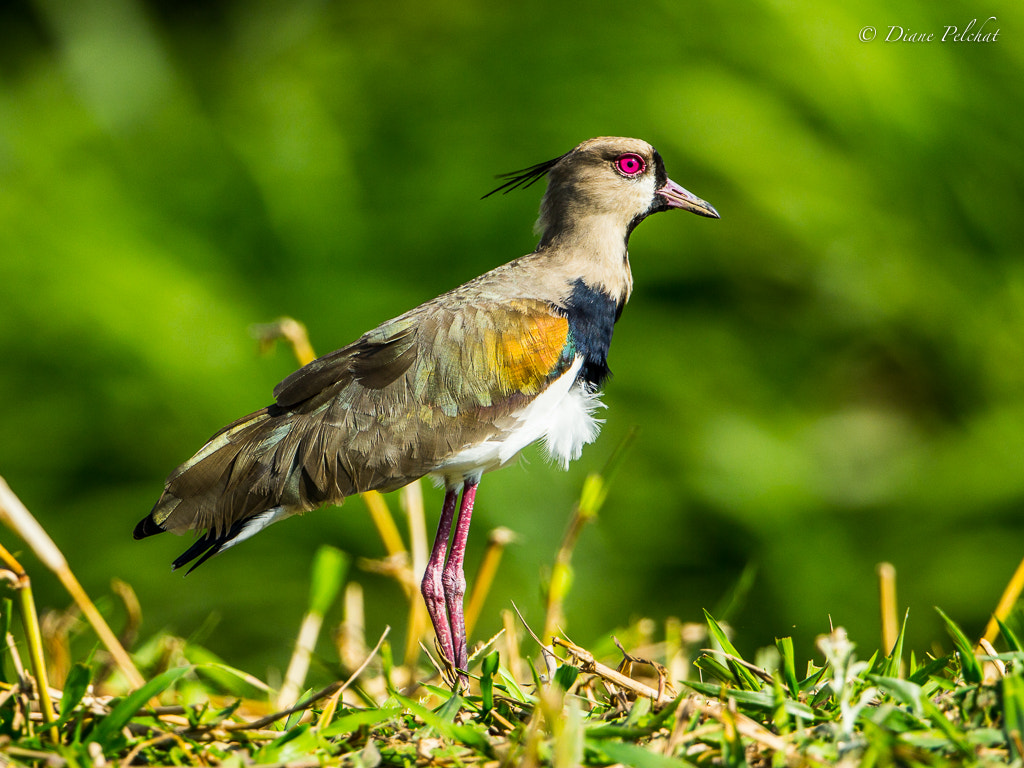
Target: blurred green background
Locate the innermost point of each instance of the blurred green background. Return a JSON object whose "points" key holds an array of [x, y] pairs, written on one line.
{"points": [[830, 376]]}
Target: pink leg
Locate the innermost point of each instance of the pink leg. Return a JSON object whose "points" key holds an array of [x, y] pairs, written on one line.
{"points": [[432, 589], [454, 578]]}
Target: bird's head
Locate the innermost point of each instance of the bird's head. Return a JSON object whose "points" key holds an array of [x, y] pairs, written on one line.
{"points": [[618, 179]]}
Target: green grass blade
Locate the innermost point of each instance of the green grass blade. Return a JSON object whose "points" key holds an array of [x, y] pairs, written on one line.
{"points": [[488, 669], [231, 679], [6, 611], [472, 736], [570, 738], [712, 666], [111, 725], [892, 663], [761, 700], [630, 754], [1012, 641], [442, 721], [295, 744], [718, 634], [566, 675], [734, 599], [387, 664], [329, 568], [75, 686], [744, 677], [934, 667], [638, 712], [814, 676], [1012, 689], [780, 717], [449, 710], [907, 693], [938, 718], [440, 724], [644, 724], [785, 646], [513, 689], [969, 664], [361, 718]]}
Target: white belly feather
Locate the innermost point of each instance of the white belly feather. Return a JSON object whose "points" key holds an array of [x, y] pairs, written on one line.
{"points": [[562, 416]]}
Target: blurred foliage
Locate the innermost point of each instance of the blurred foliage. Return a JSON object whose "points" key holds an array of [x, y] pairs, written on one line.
{"points": [[830, 376]]}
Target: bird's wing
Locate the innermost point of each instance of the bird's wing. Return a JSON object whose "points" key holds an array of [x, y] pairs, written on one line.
{"points": [[377, 414], [423, 387], [375, 360]]}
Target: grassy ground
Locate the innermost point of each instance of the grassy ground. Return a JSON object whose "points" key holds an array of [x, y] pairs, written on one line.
{"points": [[664, 696]]}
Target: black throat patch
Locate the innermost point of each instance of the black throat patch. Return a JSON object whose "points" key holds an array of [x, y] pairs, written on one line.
{"points": [[591, 314]]}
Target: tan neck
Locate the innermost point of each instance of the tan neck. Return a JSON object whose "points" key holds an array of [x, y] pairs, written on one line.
{"points": [[593, 248]]}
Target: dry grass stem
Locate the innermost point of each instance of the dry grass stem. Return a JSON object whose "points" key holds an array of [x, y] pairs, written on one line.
{"points": [[499, 538], [994, 669], [887, 602], [289, 329], [743, 724], [298, 666], [1009, 599], [385, 523], [547, 651], [741, 662], [351, 635], [17, 517], [411, 500], [30, 621], [323, 693], [585, 660], [513, 659]]}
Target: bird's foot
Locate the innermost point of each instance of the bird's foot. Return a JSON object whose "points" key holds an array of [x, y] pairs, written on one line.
{"points": [[455, 676]]}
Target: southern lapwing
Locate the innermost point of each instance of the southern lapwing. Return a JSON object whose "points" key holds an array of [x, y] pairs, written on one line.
{"points": [[452, 389]]}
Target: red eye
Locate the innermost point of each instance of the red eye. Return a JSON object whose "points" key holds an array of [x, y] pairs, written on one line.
{"points": [[630, 164]]}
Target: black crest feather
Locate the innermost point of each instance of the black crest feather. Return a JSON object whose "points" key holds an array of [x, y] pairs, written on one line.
{"points": [[524, 177]]}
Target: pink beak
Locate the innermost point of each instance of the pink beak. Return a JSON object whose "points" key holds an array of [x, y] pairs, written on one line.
{"points": [[677, 197]]}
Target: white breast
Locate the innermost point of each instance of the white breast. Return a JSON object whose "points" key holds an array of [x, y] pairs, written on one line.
{"points": [[562, 416]]}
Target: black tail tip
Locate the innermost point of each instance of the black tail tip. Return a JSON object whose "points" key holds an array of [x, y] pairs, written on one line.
{"points": [[146, 527], [207, 546]]}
